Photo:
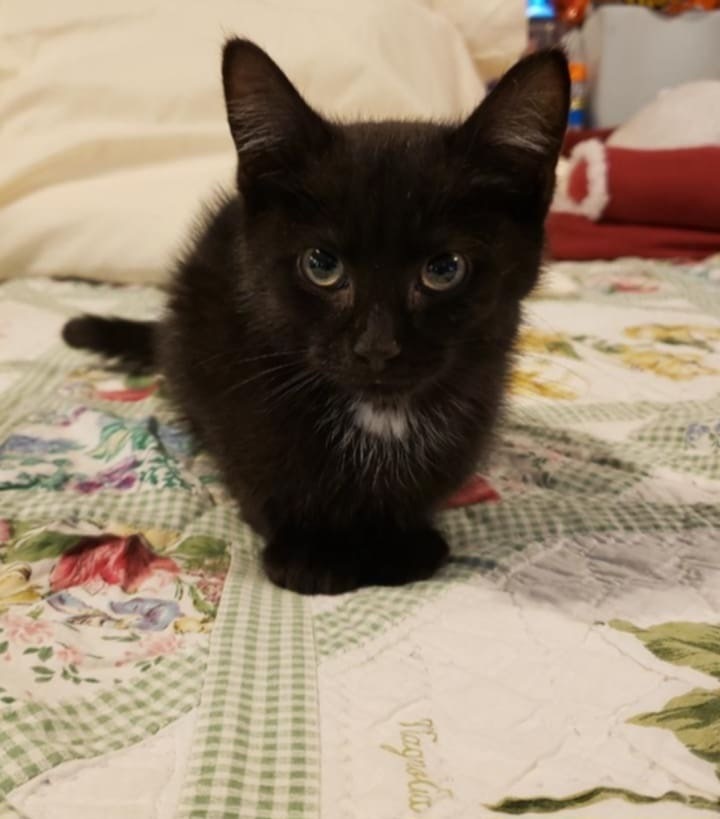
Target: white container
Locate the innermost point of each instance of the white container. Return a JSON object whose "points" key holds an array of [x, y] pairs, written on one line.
{"points": [[633, 53]]}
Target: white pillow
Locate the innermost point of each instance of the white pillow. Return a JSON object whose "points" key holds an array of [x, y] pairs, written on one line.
{"points": [[112, 122], [496, 30], [686, 116]]}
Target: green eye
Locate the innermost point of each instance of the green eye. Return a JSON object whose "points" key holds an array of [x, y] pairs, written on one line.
{"points": [[443, 272], [323, 269]]}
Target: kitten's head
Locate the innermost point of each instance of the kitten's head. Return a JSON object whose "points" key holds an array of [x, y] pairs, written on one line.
{"points": [[387, 251]]}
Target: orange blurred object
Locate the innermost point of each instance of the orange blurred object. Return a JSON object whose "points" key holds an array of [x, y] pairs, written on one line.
{"points": [[571, 12], [578, 72]]}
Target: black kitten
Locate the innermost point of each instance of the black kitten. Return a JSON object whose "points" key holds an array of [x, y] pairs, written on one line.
{"points": [[340, 334]]}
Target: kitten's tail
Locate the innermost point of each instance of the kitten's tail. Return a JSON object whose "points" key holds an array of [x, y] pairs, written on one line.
{"points": [[132, 343]]}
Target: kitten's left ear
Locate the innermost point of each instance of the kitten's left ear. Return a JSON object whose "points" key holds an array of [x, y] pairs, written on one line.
{"points": [[524, 117], [271, 124]]}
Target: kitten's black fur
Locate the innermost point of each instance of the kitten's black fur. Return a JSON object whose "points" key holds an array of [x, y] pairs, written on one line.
{"points": [[341, 419]]}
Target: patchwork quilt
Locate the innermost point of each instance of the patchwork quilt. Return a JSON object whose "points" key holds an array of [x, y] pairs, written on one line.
{"points": [[567, 660]]}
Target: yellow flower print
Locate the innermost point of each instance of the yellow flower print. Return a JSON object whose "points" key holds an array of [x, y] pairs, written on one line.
{"points": [[677, 366], [192, 625], [689, 334], [86, 373], [537, 341], [15, 586], [528, 383]]}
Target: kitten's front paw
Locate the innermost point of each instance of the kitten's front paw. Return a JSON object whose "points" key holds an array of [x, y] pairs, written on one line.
{"points": [[304, 577], [337, 562]]}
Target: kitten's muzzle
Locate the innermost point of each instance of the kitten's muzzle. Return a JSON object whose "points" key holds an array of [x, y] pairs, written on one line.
{"points": [[377, 344], [377, 359]]}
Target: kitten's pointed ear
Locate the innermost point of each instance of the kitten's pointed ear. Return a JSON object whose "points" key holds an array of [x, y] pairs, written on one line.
{"points": [[271, 124], [526, 113]]}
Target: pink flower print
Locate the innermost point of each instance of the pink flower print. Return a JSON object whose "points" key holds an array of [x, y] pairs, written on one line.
{"points": [[69, 655], [211, 586], [637, 285], [157, 645], [27, 630], [128, 562]]}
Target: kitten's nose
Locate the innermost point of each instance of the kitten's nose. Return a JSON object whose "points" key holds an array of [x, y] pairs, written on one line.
{"points": [[377, 357], [377, 343]]}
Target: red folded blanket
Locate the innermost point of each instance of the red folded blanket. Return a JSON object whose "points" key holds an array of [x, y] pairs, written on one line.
{"points": [[617, 201], [679, 187], [577, 237]]}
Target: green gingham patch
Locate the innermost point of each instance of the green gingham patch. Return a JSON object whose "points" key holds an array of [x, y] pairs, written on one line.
{"points": [[256, 747], [36, 737]]}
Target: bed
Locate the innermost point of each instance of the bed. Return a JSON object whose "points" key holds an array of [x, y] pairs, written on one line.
{"points": [[566, 661]]}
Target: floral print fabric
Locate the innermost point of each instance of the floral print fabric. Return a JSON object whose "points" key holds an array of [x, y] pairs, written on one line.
{"points": [[584, 554]]}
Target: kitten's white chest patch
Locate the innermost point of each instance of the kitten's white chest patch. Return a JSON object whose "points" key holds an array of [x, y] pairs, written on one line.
{"points": [[385, 423]]}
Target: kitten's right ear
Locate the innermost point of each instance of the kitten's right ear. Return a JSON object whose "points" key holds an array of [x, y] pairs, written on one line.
{"points": [[272, 125], [526, 111]]}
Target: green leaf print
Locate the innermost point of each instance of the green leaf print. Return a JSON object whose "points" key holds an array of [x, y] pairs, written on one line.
{"points": [[138, 382], [117, 433], [693, 717], [25, 480], [201, 603], [562, 347], [20, 528], [607, 347], [141, 438], [113, 438], [41, 546], [540, 804], [203, 552], [696, 645], [159, 472]]}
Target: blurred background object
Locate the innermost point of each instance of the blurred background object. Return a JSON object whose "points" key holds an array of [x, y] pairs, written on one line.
{"points": [[113, 129], [633, 53], [113, 126], [543, 29], [494, 30], [641, 176], [624, 53]]}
